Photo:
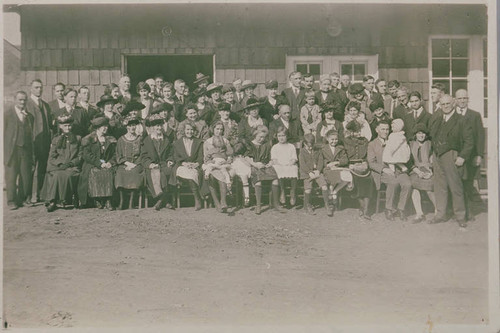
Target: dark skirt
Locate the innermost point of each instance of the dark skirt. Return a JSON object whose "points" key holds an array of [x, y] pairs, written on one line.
{"points": [[267, 173], [157, 181], [421, 184], [131, 179], [101, 183], [364, 187], [60, 185]]}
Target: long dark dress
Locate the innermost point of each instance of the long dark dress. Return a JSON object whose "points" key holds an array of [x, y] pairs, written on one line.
{"points": [[96, 182], [261, 154], [158, 151], [357, 149], [129, 151], [63, 168]]}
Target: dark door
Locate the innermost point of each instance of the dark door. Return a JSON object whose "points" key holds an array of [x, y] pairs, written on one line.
{"points": [[172, 67]]}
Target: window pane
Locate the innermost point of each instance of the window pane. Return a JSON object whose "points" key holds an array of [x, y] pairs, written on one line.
{"points": [[359, 71], [458, 84], [440, 68], [460, 48], [446, 84], [301, 68], [314, 69], [346, 69], [459, 67], [485, 88], [440, 48]]}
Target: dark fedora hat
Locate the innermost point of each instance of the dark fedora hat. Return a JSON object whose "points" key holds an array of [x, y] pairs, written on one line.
{"points": [[224, 107], [132, 106], [252, 103], [104, 99], [356, 88], [200, 77], [99, 121], [271, 84]]}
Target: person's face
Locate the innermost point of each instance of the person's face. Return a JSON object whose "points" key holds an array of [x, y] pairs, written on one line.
{"points": [[393, 91], [260, 138], [285, 112], [115, 92], [308, 145], [203, 84], [134, 113], [65, 128], [167, 92], [359, 96], [229, 97], [186, 91], [383, 131], [296, 79], [70, 98], [249, 91], [84, 95], [382, 87], [219, 130], [131, 129], [254, 112], [143, 93], [310, 100], [237, 86], [158, 81], [379, 112], [353, 113], [335, 81], [188, 131], [200, 100], [102, 130], [308, 82], [281, 137], [462, 99], [273, 92], [224, 115], [125, 83], [415, 102], [333, 140], [37, 89], [192, 114], [157, 129], [152, 86], [215, 96], [345, 80], [20, 101], [403, 97], [435, 95], [58, 92], [369, 84], [446, 104], [420, 136], [108, 106], [179, 88], [325, 86]]}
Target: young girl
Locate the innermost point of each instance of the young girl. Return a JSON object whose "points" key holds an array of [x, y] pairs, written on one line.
{"points": [[284, 161], [201, 128], [329, 123], [396, 151], [310, 115], [309, 171], [354, 113], [421, 171]]}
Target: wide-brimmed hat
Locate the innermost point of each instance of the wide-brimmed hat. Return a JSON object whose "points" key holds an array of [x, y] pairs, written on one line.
{"points": [[64, 118], [154, 119], [224, 107], [356, 88], [162, 107], [252, 103], [419, 127], [227, 88], [213, 87], [271, 84], [198, 92], [248, 84], [99, 121], [200, 77], [326, 107], [132, 106], [106, 98], [131, 121]]}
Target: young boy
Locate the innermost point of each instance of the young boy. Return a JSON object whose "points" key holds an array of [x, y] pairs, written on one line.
{"points": [[308, 170], [310, 115]]}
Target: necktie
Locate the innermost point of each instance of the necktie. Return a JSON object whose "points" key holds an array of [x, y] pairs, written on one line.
{"points": [[419, 154], [415, 114], [309, 116]]}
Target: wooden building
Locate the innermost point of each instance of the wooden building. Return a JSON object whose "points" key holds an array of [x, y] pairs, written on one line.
{"points": [[415, 44]]}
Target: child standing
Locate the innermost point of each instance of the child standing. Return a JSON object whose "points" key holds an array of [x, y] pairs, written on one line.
{"points": [[397, 151], [310, 115], [309, 171], [284, 161]]}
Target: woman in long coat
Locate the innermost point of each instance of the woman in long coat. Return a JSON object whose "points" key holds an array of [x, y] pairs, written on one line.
{"points": [[250, 122], [157, 160], [99, 162], [63, 166]]}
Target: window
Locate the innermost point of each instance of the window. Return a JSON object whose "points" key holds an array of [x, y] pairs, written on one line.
{"points": [[485, 75], [356, 71], [450, 63], [313, 68]]}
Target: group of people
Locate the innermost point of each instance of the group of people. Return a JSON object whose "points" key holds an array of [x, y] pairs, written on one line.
{"points": [[221, 139]]}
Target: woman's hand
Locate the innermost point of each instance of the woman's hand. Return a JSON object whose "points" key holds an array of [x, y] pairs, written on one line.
{"points": [[153, 166], [259, 165], [104, 165]]}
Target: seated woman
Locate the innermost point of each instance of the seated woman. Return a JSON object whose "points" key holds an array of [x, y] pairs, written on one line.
{"points": [[115, 121], [99, 161], [188, 157], [354, 113], [284, 161], [356, 147], [200, 129], [157, 160], [63, 166], [230, 126], [217, 152], [328, 123], [421, 175], [129, 174], [259, 155], [251, 121]]}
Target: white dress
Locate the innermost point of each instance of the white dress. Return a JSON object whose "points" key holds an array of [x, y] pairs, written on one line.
{"points": [[283, 154]]}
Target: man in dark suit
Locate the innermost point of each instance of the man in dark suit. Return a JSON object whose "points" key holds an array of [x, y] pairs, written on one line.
{"points": [[402, 109], [437, 91], [84, 95], [383, 174], [125, 94], [452, 143], [392, 102], [295, 94], [270, 103], [293, 127], [473, 118], [57, 103], [18, 151], [42, 135], [415, 115], [345, 82]]}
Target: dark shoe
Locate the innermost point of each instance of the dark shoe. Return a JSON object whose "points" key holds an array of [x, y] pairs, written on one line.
{"points": [[437, 220], [418, 219], [389, 215], [158, 205], [402, 215], [51, 207], [462, 223], [329, 211], [257, 210], [98, 204]]}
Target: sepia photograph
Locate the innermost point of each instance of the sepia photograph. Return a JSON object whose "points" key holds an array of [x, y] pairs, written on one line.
{"points": [[253, 166]]}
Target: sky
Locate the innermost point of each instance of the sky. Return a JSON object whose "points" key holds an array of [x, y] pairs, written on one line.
{"points": [[11, 28]]}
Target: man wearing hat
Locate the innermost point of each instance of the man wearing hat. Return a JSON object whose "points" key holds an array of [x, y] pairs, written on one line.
{"points": [[228, 97], [270, 103], [201, 80], [295, 94], [249, 88], [293, 126]]}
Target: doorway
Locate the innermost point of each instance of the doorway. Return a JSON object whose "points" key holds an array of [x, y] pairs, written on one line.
{"points": [[172, 67]]}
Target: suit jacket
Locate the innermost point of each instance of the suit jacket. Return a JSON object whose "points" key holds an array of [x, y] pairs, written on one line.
{"points": [[331, 98], [455, 134], [180, 155], [374, 158], [294, 131], [81, 121], [478, 134], [388, 105], [400, 111], [295, 103], [149, 153], [410, 122], [327, 156], [308, 162], [91, 111], [10, 133], [42, 126], [267, 110], [54, 106]]}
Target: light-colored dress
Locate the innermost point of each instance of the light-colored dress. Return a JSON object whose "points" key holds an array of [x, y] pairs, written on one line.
{"points": [[208, 147], [283, 154]]}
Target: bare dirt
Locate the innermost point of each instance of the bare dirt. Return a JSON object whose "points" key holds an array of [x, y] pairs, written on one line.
{"points": [[141, 267]]}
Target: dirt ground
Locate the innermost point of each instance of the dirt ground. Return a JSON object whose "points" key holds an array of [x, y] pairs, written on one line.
{"points": [[142, 267]]}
